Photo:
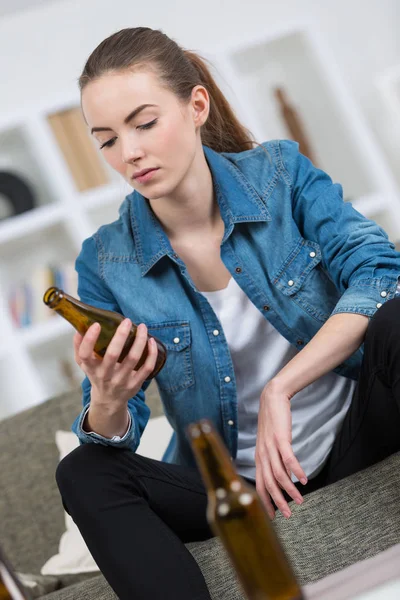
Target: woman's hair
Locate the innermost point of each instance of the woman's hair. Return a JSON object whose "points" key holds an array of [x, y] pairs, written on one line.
{"points": [[179, 71]]}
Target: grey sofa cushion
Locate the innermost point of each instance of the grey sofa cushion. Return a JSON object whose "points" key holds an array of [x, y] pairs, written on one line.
{"points": [[335, 527], [31, 513], [94, 588], [343, 523], [30, 510], [352, 520]]}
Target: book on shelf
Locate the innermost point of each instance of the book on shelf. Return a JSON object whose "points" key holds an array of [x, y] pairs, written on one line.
{"points": [[25, 298], [78, 149]]}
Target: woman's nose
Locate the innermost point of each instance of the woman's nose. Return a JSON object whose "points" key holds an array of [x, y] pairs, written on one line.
{"points": [[131, 152]]}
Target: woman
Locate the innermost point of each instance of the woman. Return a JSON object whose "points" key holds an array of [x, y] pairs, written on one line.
{"points": [[245, 261]]}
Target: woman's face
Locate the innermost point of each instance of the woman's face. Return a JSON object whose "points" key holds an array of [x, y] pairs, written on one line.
{"points": [[164, 135]]}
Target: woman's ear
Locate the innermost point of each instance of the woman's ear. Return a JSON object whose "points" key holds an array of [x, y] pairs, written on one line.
{"points": [[200, 103]]}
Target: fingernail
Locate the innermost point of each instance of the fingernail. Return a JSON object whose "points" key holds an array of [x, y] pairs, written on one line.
{"points": [[298, 500], [286, 513], [127, 323], [303, 480]]}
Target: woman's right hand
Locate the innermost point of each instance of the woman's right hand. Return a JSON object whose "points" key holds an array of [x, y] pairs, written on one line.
{"points": [[113, 381]]}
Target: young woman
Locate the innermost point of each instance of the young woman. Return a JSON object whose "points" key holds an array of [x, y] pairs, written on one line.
{"points": [[275, 300]]}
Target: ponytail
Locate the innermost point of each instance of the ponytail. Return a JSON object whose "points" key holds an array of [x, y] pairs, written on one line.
{"points": [[180, 70]]}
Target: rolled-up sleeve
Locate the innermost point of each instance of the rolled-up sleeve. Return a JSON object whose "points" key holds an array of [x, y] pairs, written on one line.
{"points": [[356, 252], [93, 291]]}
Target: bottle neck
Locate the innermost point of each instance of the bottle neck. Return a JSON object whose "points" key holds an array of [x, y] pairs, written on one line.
{"points": [[212, 456], [58, 300], [79, 314], [10, 587]]}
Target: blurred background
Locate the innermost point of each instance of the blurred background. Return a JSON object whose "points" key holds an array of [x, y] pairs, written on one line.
{"points": [[324, 73]]}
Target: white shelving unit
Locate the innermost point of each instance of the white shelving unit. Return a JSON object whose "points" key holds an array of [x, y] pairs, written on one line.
{"points": [[388, 87], [31, 358], [296, 58]]}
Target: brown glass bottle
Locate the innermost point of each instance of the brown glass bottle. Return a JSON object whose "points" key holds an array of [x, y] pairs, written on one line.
{"points": [[82, 316], [294, 124], [10, 587], [235, 514]]}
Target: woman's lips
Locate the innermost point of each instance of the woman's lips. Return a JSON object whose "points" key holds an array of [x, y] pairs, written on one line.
{"points": [[146, 177]]}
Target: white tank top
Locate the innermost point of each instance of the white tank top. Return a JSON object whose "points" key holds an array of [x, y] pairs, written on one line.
{"points": [[258, 353]]}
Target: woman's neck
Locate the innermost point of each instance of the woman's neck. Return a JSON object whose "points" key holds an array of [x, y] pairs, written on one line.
{"points": [[193, 209]]}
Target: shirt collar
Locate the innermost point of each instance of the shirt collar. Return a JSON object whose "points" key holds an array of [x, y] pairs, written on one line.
{"points": [[238, 200]]}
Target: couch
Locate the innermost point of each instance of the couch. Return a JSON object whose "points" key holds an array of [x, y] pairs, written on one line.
{"points": [[337, 526]]}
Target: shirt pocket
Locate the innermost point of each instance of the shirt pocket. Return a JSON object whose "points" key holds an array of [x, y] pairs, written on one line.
{"points": [[177, 373], [302, 278]]}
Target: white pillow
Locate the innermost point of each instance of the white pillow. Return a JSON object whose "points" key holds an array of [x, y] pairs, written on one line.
{"points": [[73, 555]]}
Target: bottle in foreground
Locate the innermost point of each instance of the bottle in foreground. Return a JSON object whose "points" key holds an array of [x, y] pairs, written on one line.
{"points": [[82, 316], [10, 587], [235, 514]]}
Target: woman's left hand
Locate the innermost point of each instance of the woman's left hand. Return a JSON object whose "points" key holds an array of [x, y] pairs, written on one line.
{"points": [[275, 460]]}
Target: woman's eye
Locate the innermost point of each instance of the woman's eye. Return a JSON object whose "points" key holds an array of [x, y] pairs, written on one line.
{"points": [[108, 144], [111, 142], [148, 125]]}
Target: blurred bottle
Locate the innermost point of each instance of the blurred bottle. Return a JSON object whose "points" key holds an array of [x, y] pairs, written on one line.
{"points": [[82, 316], [294, 124], [235, 514], [10, 587]]}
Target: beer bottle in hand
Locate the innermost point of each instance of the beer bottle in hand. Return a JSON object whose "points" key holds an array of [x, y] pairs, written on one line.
{"points": [[10, 587], [82, 316], [235, 514]]}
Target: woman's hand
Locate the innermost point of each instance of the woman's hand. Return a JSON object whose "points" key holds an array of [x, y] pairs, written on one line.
{"points": [[111, 380], [275, 460]]}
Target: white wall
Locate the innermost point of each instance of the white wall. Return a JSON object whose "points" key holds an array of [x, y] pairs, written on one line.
{"points": [[42, 50]]}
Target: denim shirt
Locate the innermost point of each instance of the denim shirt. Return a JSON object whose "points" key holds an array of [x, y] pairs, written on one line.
{"points": [[298, 251]]}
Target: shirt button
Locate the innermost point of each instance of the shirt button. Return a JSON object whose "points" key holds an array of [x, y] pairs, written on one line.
{"points": [[265, 307], [379, 305], [176, 340], [290, 282], [227, 379], [238, 269], [230, 422], [215, 332], [313, 254], [299, 342], [383, 294]]}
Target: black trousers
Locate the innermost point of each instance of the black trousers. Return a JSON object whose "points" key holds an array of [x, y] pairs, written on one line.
{"points": [[136, 513]]}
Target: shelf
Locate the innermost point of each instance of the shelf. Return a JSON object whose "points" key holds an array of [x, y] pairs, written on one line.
{"points": [[383, 219], [42, 333], [388, 84], [17, 155], [114, 192], [30, 222], [23, 260], [21, 388], [370, 205], [19, 256], [291, 62], [49, 358], [104, 214]]}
